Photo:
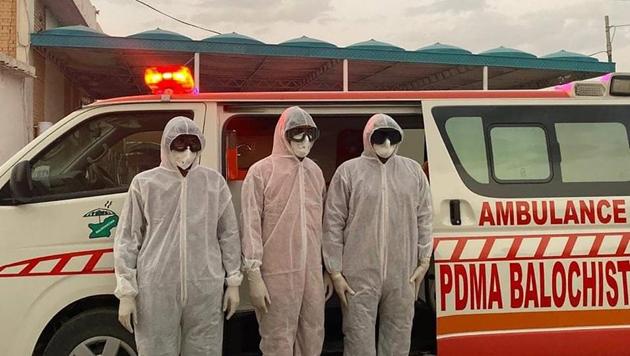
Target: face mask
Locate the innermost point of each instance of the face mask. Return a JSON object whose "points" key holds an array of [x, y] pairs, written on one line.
{"points": [[184, 159], [384, 150], [301, 149]]}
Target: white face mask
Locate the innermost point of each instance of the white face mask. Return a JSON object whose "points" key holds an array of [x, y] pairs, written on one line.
{"points": [[384, 150], [301, 149], [184, 159]]}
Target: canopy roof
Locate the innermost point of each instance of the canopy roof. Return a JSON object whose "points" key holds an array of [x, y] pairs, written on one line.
{"points": [[107, 66]]}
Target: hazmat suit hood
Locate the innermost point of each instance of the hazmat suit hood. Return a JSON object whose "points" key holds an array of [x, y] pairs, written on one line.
{"points": [[379, 121], [179, 125], [291, 118]]}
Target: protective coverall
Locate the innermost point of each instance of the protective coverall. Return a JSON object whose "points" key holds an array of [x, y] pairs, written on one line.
{"points": [[377, 228], [177, 244], [282, 204]]}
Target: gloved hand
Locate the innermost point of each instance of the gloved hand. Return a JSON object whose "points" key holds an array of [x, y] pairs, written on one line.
{"points": [[341, 287], [258, 291], [329, 288], [418, 274], [231, 300], [127, 312]]}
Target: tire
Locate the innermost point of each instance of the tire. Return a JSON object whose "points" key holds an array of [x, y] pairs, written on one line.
{"points": [[94, 332]]}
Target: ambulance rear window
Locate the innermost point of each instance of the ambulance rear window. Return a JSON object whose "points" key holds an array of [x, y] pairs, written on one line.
{"points": [[594, 152]]}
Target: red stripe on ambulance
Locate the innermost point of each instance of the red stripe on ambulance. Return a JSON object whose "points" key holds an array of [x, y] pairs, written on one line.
{"points": [[449, 249], [55, 265]]}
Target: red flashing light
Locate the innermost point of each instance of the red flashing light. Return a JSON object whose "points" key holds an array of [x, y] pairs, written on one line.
{"points": [[176, 78]]}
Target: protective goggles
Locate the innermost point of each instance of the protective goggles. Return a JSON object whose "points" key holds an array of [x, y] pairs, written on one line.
{"points": [[298, 134], [380, 135], [182, 142]]}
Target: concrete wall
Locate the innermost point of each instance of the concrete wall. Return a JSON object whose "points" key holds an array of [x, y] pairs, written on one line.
{"points": [[51, 21], [16, 88], [15, 102], [88, 12], [25, 25], [24, 101]]}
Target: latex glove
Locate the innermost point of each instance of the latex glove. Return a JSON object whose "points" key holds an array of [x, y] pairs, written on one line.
{"points": [[341, 287], [231, 300], [418, 274], [258, 291], [329, 288], [127, 312]]}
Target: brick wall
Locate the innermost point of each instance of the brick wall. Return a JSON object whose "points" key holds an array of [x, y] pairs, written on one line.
{"points": [[8, 27]]}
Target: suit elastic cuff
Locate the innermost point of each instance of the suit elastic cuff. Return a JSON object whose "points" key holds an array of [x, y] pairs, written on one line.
{"points": [[424, 251], [234, 279], [250, 265]]}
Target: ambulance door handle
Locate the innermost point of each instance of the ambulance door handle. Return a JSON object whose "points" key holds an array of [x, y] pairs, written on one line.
{"points": [[455, 214]]}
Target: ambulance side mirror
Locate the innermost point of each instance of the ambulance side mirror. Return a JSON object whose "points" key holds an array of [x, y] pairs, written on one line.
{"points": [[21, 183]]}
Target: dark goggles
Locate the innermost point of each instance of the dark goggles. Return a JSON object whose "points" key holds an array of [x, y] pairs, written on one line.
{"points": [[182, 142], [298, 134], [380, 135]]}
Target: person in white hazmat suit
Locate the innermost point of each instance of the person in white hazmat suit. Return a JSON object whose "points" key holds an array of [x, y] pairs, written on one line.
{"points": [[377, 241], [282, 201], [176, 246]]}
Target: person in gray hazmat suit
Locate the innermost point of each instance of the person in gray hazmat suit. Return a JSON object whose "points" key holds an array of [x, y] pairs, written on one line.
{"points": [[377, 241], [176, 247], [282, 202]]}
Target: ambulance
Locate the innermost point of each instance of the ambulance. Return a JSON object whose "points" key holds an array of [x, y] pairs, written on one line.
{"points": [[530, 189]]}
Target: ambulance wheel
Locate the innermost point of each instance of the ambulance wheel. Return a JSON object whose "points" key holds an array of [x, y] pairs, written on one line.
{"points": [[91, 333]]}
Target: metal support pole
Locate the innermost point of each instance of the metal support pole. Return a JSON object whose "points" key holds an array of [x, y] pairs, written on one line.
{"points": [[608, 42], [197, 59], [345, 75], [485, 77]]}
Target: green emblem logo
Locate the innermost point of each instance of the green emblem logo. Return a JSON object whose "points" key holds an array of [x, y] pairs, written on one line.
{"points": [[107, 220]]}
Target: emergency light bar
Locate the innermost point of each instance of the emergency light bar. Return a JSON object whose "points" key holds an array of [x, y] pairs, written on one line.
{"points": [[578, 89], [611, 84], [589, 89], [176, 78]]}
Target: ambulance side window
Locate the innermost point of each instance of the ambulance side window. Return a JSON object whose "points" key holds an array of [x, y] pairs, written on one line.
{"points": [[466, 134], [101, 155], [520, 153], [517, 151], [594, 152]]}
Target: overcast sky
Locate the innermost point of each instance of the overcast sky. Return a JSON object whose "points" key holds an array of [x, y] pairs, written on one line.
{"points": [[536, 26]]}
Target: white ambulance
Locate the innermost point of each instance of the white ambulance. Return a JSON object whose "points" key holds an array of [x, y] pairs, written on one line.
{"points": [[531, 196]]}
